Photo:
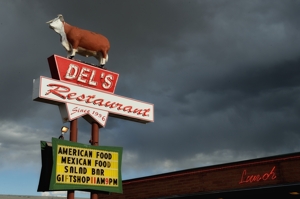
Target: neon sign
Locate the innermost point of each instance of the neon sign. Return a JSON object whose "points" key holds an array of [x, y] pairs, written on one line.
{"points": [[67, 70], [246, 178], [75, 101], [81, 90]]}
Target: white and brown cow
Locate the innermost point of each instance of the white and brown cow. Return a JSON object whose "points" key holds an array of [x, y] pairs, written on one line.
{"points": [[83, 42]]}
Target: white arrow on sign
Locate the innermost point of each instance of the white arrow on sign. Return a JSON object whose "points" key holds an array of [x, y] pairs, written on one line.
{"points": [[70, 112]]}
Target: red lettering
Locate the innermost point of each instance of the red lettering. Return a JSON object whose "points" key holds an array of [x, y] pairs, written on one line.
{"points": [[81, 97], [89, 97], [107, 104], [110, 105], [98, 102], [119, 106], [138, 111], [257, 177], [70, 95], [265, 176], [273, 173], [59, 89], [78, 110], [146, 111], [74, 110], [127, 108], [64, 92]]}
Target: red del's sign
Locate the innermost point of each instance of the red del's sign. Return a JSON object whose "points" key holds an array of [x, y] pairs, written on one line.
{"points": [[83, 74], [83, 90]]}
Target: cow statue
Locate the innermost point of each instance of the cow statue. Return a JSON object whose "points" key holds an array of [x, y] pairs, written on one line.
{"points": [[83, 42]]}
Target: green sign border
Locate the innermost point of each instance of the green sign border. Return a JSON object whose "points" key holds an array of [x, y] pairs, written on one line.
{"points": [[64, 187]]}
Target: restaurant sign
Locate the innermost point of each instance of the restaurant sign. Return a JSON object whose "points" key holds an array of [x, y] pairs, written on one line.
{"points": [[81, 90], [84, 167]]}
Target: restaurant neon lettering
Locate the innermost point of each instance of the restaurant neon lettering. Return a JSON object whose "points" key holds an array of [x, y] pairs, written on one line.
{"points": [[65, 92], [246, 178]]}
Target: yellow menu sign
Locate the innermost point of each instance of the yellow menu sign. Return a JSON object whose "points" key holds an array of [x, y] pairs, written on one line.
{"points": [[85, 167]]}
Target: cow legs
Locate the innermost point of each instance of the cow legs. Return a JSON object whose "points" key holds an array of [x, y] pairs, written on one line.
{"points": [[71, 54], [101, 59]]}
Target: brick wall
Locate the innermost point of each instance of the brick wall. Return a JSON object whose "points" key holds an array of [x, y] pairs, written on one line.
{"points": [[262, 172]]}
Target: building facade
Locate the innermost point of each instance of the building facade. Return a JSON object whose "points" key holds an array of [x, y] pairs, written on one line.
{"points": [[276, 176]]}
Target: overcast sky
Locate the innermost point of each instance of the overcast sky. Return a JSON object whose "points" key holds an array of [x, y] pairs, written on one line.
{"points": [[224, 78]]}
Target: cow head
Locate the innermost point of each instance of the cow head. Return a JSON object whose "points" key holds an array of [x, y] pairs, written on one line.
{"points": [[57, 24]]}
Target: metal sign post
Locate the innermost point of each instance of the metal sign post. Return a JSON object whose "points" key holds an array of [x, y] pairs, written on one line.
{"points": [[73, 138], [95, 142]]}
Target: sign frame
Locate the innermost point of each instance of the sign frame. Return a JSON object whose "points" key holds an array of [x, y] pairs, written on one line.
{"points": [[86, 75], [130, 109], [67, 186]]}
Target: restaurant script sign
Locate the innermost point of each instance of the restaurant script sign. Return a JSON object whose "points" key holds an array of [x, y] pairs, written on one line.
{"points": [[83, 90]]}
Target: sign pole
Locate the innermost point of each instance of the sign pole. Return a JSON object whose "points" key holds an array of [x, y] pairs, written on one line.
{"points": [[73, 138], [95, 142], [95, 134]]}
